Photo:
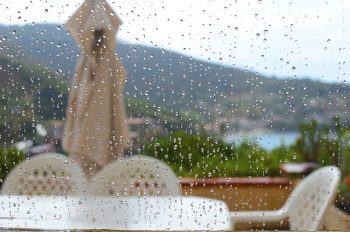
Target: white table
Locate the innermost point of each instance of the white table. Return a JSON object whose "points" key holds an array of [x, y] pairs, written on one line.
{"points": [[127, 213]]}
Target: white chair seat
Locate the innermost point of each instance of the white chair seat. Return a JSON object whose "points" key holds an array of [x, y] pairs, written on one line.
{"points": [[45, 174], [135, 176], [306, 205]]}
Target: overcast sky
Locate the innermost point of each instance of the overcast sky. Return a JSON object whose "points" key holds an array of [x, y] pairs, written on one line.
{"points": [[278, 38]]}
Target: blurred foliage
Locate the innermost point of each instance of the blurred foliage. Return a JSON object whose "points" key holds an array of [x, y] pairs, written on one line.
{"points": [[9, 158], [321, 144], [200, 156]]}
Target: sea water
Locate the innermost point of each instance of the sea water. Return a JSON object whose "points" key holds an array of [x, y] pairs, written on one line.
{"points": [[266, 140]]}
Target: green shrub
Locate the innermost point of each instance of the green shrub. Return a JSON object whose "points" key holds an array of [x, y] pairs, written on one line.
{"points": [[9, 158], [200, 156]]}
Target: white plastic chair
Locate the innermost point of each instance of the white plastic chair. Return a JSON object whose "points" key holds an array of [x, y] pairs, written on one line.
{"points": [[45, 174], [306, 205], [135, 176]]}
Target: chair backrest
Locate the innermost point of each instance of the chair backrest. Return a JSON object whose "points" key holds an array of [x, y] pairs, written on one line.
{"points": [[45, 174], [135, 176], [308, 202]]}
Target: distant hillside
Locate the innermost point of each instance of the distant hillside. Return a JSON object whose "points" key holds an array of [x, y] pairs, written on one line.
{"points": [[30, 94], [206, 91]]}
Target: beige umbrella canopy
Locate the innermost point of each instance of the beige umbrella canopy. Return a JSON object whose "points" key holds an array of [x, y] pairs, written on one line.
{"points": [[95, 129]]}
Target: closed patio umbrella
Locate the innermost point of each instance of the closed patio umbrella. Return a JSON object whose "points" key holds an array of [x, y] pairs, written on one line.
{"points": [[95, 129]]}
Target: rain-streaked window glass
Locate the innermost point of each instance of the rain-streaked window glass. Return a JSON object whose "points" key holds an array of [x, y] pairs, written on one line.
{"points": [[175, 115]]}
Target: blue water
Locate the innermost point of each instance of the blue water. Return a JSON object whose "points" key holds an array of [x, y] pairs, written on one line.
{"points": [[266, 140]]}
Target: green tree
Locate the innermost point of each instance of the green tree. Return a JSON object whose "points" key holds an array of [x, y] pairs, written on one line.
{"points": [[202, 156], [9, 158]]}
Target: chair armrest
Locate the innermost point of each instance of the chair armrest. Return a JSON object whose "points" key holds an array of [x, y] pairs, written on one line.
{"points": [[257, 216]]}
